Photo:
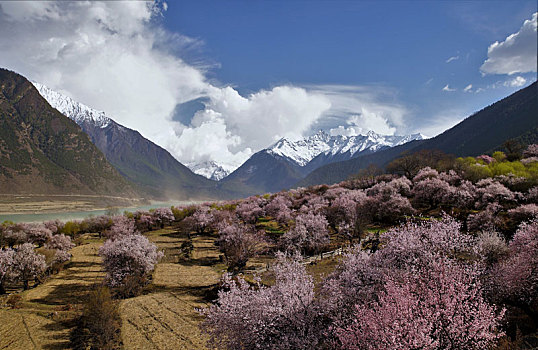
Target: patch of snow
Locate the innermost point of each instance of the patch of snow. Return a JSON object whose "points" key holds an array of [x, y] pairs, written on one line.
{"points": [[211, 169], [74, 110], [303, 151]]}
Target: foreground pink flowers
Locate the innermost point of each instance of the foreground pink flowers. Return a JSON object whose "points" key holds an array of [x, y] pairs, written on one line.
{"points": [[127, 256], [422, 290]]}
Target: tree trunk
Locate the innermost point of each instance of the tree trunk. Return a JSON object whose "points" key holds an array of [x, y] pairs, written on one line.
{"points": [[2, 290], [25, 284]]}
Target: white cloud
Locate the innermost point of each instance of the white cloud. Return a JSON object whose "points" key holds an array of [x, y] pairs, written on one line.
{"points": [[102, 54], [468, 88], [113, 56], [448, 88], [242, 125], [361, 124], [440, 123], [516, 54], [516, 82], [453, 58], [116, 57], [358, 109]]}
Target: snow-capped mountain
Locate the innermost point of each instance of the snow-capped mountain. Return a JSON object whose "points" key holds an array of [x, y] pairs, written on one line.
{"points": [[82, 114], [304, 151], [311, 152], [152, 168], [211, 169], [286, 162], [74, 110]]}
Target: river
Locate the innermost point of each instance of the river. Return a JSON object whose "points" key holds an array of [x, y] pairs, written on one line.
{"points": [[78, 215]]}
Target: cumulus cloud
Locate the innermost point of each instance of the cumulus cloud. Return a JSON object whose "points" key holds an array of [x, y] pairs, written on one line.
{"points": [[362, 123], [516, 82], [102, 54], [448, 88], [117, 57], [359, 109], [246, 124], [516, 54], [453, 58]]}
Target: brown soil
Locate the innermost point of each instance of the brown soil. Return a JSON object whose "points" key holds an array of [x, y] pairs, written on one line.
{"points": [[165, 317]]}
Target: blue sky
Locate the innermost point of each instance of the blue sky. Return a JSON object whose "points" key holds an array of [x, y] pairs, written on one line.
{"points": [[399, 44], [221, 80], [259, 44]]}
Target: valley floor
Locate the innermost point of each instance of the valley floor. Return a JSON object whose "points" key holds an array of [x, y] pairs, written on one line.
{"points": [[46, 203], [166, 318], [41, 322], [163, 318]]}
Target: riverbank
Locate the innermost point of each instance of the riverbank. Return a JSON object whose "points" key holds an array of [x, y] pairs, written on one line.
{"points": [[46, 203], [39, 208]]}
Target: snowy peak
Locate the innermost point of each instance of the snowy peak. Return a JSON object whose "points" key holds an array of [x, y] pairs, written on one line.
{"points": [[74, 110], [303, 151], [211, 170], [82, 114]]}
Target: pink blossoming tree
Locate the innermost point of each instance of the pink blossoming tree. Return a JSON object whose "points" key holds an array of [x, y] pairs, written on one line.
{"points": [[122, 226], [435, 306], [309, 235], [278, 317], [126, 256], [6, 263], [27, 264], [239, 243]]}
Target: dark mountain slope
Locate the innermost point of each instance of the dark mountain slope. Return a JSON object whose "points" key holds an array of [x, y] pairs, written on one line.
{"points": [[263, 173], [42, 151], [486, 130], [340, 171], [151, 167], [286, 162]]}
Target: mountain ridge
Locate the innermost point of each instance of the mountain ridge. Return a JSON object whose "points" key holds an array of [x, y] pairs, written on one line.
{"points": [[149, 166], [286, 162], [42, 151], [307, 149], [513, 117]]}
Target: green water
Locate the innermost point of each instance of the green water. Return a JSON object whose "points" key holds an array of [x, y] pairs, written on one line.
{"points": [[78, 215]]}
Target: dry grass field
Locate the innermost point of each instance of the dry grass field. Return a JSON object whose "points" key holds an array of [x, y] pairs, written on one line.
{"points": [[41, 322], [164, 317]]}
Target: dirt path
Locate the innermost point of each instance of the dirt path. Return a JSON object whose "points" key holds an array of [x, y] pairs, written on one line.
{"points": [[38, 323], [166, 318]]}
